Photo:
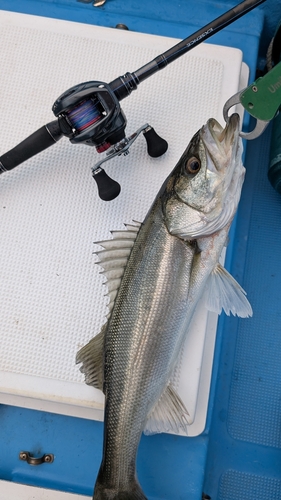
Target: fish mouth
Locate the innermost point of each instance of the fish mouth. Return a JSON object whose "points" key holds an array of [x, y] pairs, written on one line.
{"points": [[225, 136]]}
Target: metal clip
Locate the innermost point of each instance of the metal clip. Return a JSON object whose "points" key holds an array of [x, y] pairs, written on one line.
{"points": [[262, 100], [260, 124]]}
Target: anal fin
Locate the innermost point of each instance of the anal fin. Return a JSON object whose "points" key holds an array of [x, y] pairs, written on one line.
{"points": [[168, 415]]}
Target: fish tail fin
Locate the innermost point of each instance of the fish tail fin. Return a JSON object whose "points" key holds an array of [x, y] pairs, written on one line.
{"points": [[132, 492]]}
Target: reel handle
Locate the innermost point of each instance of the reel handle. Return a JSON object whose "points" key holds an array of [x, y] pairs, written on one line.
{"points": [[156, 146], [42, 139], [108, 188]]}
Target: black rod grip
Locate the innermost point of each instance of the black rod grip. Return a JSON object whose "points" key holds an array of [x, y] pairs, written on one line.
{"points": [[42, 139]]}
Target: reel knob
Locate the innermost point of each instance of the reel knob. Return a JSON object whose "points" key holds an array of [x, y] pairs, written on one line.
{"points": [[108, 188], [156, 146]]}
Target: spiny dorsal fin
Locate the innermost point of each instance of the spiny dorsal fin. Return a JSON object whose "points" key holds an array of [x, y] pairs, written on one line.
{"points": [[114, 257], [168, 415], [223, 292], [92, 356]]}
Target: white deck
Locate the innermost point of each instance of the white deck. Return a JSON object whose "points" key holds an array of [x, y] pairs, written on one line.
{"points": [[52, 298]]}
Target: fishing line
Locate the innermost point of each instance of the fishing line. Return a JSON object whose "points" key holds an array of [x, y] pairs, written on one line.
{"points": [[85, 114]]}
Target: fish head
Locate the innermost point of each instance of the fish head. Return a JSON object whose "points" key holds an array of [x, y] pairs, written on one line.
{"points": [[202, 193]]}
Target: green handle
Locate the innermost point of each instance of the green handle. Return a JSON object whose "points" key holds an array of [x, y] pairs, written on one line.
{"points": [[262, 99]]}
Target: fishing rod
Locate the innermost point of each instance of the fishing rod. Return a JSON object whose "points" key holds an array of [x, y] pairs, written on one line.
{"points": [[90, 112]]}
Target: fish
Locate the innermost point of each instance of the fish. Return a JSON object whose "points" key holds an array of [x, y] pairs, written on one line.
{"points": [[156, 272]]}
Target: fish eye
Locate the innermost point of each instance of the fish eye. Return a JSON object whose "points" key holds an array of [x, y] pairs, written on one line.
{"points": [[193, 165]]}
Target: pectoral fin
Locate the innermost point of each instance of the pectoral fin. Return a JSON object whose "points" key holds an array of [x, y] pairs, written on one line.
{"points": [[225, 293], [168, 415]]}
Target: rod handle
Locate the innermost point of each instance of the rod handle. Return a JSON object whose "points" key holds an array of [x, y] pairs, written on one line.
{"points": [[42, 139]]}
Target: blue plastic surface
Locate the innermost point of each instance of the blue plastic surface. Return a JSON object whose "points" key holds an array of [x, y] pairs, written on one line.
{"points": [[75, 443], [239, 453], [245, 434], [159, 18]]}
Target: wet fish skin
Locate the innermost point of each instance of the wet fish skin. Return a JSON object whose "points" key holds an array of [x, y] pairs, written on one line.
{"points": [[174, 256], [126, 375]]}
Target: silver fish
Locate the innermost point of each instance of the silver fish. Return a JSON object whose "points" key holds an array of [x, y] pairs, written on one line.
{"points": [[156, 273]]}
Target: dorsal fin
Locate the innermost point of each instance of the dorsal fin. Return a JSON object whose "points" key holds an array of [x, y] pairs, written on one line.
{"points": [[91, 356], [114, 257]]}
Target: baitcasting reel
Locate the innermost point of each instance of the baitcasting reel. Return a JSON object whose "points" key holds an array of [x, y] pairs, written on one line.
{"points": [[90, 113]]}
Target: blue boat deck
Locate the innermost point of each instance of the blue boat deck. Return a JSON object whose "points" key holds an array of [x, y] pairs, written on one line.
{"points": [[238, 457]]}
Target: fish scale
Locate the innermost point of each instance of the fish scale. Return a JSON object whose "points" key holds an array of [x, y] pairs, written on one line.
{"points": [[125, 374], [166, 271]]}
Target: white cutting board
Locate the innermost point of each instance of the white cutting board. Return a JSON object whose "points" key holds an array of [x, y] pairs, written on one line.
{"points": [[17, 491], [52, 298]]}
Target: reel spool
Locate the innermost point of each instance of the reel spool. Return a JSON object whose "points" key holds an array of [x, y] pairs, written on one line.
{"points": [[89, 113]]}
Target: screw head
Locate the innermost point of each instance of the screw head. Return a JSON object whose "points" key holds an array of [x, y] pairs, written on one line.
{"points": [[121, 26]]}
